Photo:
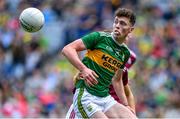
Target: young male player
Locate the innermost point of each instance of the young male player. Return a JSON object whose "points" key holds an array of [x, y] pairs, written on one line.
{"points": [[107, 55]]}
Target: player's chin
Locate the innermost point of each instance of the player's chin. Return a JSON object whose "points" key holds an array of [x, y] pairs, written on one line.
{"points": [[117, 35], [120, 36]]}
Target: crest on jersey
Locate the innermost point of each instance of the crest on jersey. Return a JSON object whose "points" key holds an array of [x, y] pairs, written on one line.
{"points": [[109, 48], [120, 54], [89, 108]]}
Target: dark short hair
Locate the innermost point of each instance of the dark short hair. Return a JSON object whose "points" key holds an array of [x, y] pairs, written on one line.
{"points": [[124, 12]]}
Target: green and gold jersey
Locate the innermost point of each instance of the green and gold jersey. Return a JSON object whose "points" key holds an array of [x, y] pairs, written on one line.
{"points": [[104, 56]]}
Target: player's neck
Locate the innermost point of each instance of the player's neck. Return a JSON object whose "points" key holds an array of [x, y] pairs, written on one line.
{"points": [[119, 40]]}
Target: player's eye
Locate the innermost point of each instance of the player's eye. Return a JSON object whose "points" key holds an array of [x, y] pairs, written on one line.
{"points": [[116, 21], [123, 23]]}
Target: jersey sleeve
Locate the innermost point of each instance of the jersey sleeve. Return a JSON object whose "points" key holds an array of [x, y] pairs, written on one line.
{"points": [[131, 60], [91, 40], [125, 77]]}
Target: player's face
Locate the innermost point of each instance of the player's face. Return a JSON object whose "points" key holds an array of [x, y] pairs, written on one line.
{"points": [[121, 27]]}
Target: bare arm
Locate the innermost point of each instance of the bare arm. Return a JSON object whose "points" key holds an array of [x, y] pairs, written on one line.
{"points": [[70, 51], [119, 87], [130, 97]]}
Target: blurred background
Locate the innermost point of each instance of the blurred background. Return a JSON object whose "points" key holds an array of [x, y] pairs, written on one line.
{"points": [[36, 80]]}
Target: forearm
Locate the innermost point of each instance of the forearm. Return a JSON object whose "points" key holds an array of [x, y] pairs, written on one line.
{"points": [[131, 101], [72, 55], [130, 97], [118, 87]]}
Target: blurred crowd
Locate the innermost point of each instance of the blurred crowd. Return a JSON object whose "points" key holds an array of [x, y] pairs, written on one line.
{"points": [[36, 80]]}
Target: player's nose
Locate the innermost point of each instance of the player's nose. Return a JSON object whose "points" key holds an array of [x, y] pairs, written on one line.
{"points": [[117, 27]]}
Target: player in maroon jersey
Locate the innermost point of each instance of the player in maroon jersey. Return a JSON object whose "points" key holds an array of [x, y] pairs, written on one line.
{"points": [[128, 92]]}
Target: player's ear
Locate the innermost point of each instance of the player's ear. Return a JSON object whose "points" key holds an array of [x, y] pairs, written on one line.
{"points": [[131, 29]]}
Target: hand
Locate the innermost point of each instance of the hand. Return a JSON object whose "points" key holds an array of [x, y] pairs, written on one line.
{"points": [[132, 110], [89, 76]]}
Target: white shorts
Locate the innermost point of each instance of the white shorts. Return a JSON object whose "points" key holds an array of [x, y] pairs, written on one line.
{"points": [[71, 114], [86, 104]]}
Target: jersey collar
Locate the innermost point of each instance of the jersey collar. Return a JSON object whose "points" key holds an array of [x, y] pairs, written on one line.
{"points": [[122, 44]]}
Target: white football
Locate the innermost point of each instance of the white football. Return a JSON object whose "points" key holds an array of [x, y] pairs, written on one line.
{"points": [[31, 19]]}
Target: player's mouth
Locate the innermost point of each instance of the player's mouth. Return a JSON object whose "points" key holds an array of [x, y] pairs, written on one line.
{"points": [[116, 32]]}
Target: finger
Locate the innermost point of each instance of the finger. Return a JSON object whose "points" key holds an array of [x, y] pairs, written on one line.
{"points": [[93, 79], [131, 109], [89, 83], [94, 73], [96, 76], [90, 80], [80, 75]]}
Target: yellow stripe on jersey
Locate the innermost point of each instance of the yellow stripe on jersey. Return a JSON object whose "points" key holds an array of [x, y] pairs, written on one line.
{"points": [[104, 60], [76, 78]]}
